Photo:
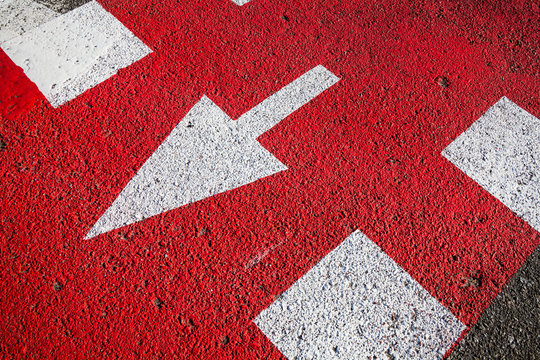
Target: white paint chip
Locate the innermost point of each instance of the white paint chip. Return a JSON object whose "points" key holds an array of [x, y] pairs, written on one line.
{"points": [[357, 303], [74, 52], [208, 153], [240, 2], [19, 16], [501, 152]]}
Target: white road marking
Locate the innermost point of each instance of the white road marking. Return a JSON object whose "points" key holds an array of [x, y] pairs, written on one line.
{"points": [[19, 16], [357, 303], [501, 152], [240, 2], [277, 107], [208, 153], [74, 52]]}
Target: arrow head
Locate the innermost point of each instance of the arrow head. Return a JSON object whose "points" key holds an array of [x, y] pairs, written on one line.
{"points": [[203, 156]]}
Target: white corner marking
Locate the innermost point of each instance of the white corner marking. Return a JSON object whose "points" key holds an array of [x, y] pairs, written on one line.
{"points": [[357, 303], [74, 52]]}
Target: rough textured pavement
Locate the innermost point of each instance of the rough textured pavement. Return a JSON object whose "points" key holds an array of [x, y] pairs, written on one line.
{"points": [[422, 137]]}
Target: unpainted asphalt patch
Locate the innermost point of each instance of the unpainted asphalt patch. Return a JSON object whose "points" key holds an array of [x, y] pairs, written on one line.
{"points": [[510, 327], [62, 6]]}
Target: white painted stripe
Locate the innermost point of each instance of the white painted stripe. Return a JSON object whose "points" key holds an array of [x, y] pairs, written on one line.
{"points": [[240, 2], [208, 153], [501, 152], [19, 16], [286, 101], [357, 303], [74, 52]]}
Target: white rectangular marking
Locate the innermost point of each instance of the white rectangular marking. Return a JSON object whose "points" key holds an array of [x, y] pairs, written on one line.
{"points": [[501, 152], [357, 303], [74, 52]]}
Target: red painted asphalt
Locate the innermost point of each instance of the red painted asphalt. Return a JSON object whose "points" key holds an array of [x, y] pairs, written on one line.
{"points": [[365, 155]]}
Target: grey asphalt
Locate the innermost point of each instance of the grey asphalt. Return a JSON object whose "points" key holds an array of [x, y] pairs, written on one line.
{"points": [[510, 328]]}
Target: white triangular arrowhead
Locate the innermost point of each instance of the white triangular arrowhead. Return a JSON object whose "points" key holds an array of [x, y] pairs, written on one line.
{"points": [[203, 156]]}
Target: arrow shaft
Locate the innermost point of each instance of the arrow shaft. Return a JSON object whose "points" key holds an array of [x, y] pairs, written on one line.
{"points": [[290, 98]]}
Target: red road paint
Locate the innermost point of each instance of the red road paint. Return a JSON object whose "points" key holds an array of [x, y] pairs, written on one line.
{"points": [[17, 93], [365, 154]]}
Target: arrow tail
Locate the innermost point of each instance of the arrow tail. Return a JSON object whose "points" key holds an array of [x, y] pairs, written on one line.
{"points": [[290, 98]]}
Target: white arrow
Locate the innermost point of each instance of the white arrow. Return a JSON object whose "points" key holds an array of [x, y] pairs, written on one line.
{"points": [[208, 153]]}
